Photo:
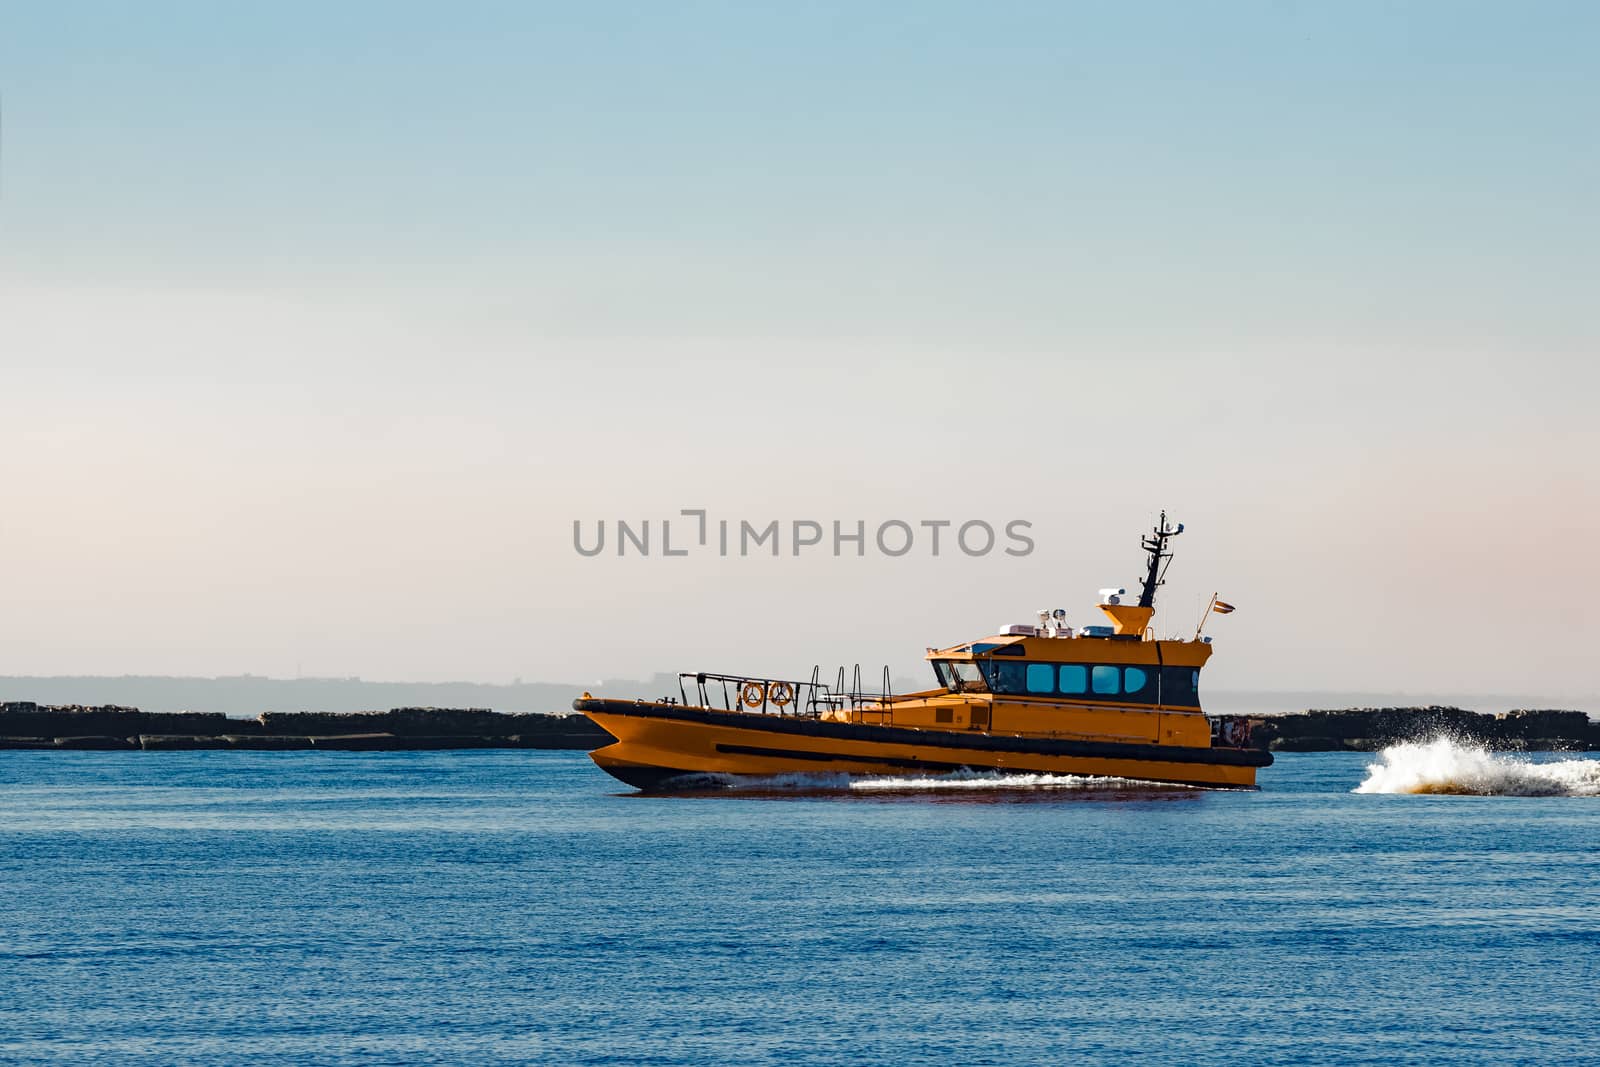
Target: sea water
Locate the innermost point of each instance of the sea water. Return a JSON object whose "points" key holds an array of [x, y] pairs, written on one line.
{"points": [[1429, 905]]}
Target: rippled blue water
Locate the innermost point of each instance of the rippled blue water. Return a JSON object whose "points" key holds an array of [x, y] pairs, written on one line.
{"points": [[517, 907]]}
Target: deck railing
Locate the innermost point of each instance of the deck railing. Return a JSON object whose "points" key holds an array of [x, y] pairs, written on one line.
{"points": [[781, 696]]}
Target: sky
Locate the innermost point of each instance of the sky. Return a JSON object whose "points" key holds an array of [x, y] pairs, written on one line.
{"points": [[321, 325]]}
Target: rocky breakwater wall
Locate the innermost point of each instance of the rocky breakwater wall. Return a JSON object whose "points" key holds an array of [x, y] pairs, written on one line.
{"points": [[108, 727], [1370, 729]]}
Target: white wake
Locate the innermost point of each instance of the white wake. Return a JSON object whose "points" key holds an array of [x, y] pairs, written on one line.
{"points": [[953, 781], [1444, 765], [976, 780]]}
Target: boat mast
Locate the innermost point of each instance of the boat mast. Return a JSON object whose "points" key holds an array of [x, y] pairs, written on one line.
{"points": [[1155, 543]]}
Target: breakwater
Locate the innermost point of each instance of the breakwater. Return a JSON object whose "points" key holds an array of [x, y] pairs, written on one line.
{"points": [[110, 727], [1370, 729]]}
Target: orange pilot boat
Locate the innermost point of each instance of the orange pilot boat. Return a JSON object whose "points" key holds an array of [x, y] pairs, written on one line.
{"points": [[1107, 700]]}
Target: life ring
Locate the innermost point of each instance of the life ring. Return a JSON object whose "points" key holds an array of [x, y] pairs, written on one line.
{"points": [[754, 694], [780, 693]]}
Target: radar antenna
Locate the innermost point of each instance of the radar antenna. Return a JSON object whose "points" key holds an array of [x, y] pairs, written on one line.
{"points": [[1155, 543]]}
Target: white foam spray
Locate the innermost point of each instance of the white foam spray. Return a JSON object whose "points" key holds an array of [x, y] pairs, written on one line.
{"points": [[1445, 765]]}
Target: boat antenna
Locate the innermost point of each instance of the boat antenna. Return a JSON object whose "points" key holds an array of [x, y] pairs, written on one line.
{"points": [[1155, 543]]}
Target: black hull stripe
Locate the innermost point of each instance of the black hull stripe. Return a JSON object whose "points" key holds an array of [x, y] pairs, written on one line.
{"points": [[898, 735], [843, 757]]}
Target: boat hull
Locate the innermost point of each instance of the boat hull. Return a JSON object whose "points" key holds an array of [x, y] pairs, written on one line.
{"points": [[669, 746]]}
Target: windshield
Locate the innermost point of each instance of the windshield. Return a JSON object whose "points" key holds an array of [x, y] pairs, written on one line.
{"points": [[959, 677]]}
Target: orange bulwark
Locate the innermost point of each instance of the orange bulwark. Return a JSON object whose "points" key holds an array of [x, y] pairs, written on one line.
{"points": [[1107, 701]]}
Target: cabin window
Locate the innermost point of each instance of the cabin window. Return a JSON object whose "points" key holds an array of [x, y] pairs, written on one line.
{"points": [[969, 678], [1074, 678], [1135, 684], [1041, 677], [1002, 677], [959, 676], [943, 714], [1180, 687], [1008, 677], [1107, 680]]}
